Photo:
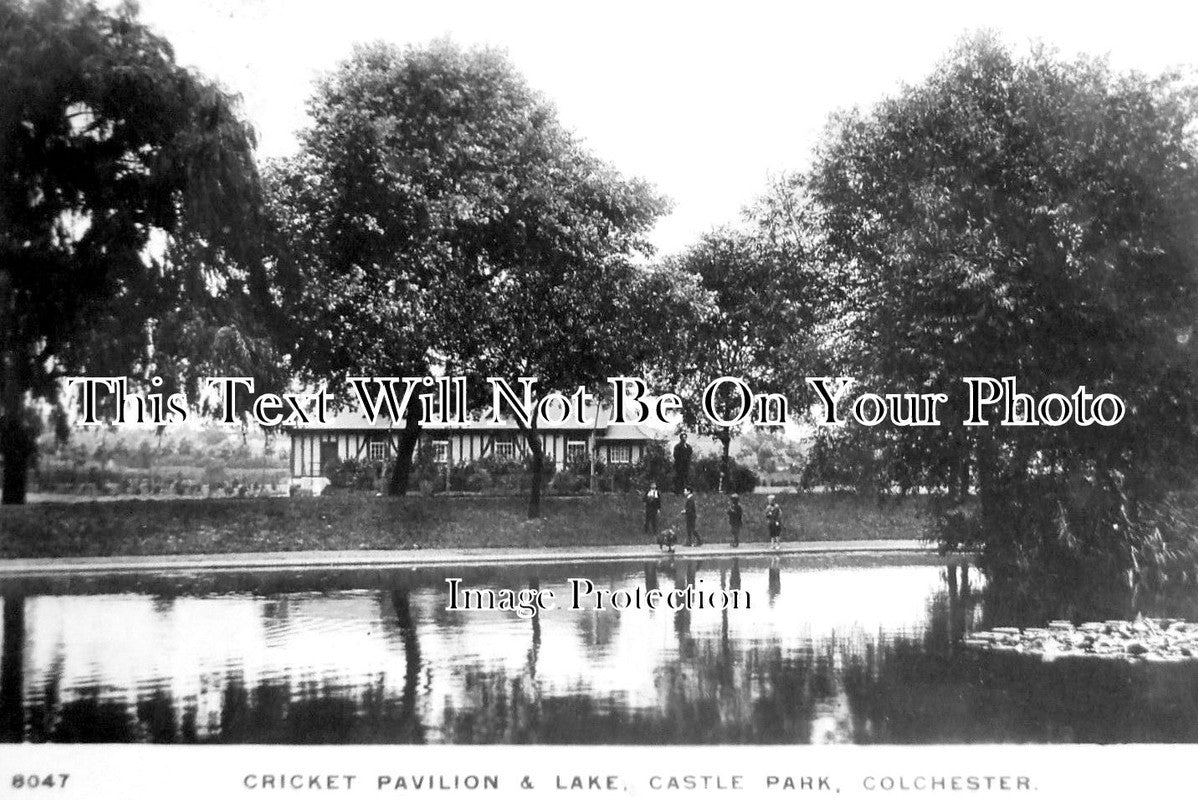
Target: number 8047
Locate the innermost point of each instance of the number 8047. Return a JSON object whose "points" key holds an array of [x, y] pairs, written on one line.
{"points": [[51, 780]]}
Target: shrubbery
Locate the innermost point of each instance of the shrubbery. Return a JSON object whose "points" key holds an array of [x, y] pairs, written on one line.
{"points": [[658, 467], [500, 476], [486, 475], [67, 479], [1047, 532], [351, 473], [705, 475]]}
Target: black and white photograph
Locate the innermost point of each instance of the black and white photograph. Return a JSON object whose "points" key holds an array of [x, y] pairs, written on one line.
{"points": [[546, 399]]}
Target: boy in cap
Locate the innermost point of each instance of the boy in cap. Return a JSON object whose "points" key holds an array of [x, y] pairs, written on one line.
{"points": [[652, 508], [773, 521], [736, 517]]}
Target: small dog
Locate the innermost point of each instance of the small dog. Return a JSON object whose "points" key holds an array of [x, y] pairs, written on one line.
{"points": [[666, 539]]}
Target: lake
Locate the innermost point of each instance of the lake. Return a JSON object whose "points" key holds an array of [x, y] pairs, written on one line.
{"points": [[832, 649]]}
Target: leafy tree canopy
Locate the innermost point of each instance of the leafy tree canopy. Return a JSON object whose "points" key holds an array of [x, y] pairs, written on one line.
{"points": [[753, 318], [439, 215], [1032, 217], [107, 146]]}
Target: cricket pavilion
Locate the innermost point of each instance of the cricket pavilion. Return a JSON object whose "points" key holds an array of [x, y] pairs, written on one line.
{"points": [[350, 435]]}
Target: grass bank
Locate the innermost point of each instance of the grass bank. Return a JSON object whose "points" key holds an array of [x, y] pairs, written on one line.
{"points": [[351, 522]]}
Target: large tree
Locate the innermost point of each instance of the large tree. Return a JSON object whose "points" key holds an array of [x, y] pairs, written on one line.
{"points": [[439, 216], [573, 316], [753, 321], [1032, 217], [107, 146]]}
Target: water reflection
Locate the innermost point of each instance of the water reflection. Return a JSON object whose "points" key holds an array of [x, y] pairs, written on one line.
{"points": [[11, 669], [831, 650]]}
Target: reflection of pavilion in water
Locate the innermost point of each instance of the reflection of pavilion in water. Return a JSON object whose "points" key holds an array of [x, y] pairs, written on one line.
{"points": [[394, 665]]}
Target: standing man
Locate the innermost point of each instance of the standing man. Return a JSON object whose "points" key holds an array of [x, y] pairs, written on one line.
{"points": [[652, 507], [682, 464], [773, 521], [736, 517], [691, 512]]}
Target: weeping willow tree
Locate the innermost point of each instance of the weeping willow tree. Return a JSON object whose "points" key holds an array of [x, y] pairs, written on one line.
{"points": [[127, 213]]}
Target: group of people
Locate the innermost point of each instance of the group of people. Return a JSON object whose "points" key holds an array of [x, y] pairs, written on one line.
{"points": [[682, 458], [736, 518], [682, 454], [736, 513]]}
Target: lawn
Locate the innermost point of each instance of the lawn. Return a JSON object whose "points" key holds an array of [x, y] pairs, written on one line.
{"points": [[352, 522]]}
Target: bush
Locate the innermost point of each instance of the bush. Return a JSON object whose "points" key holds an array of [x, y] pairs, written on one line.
{"points": [[705, 476], [483, 475], [351, 474], [1164, 544], [656, 466], [479, 481], [1048, 531], [569, 483], [214, 473], [582, 466], [621, 478], [49, 474]]}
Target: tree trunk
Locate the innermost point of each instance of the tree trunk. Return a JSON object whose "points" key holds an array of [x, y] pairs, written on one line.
{"points": [[959, 471], [963, 479], [986, 471], [401, 472], [17, 446], [535, 467], [725, 473]]}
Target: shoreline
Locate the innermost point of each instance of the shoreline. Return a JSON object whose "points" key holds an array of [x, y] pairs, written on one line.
{"points": [[418, 525], [305, 560]]}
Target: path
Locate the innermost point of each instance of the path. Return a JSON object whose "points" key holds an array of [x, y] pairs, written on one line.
{"points": [[342, 559]]}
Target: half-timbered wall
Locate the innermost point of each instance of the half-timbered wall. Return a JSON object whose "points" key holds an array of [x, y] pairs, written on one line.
{"points": [[461, 446]]}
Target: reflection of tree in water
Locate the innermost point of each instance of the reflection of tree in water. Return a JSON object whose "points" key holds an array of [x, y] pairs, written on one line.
{"points": [[87, 718], [156, 718], [12, 659], [1022, 603], [91, 718], [712, 692], [597, 629], [501, 707], [682, 617], [311, 713], [897, 689], [933, 690], [913, 693], [715, 688], [531, 684], [401, 600], [306, 712], [712, 696], [43, 714], [98, 715]]}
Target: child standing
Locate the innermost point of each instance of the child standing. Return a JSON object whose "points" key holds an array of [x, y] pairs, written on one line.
{"points": [[736, 517], [773, 521], [652, 508]]}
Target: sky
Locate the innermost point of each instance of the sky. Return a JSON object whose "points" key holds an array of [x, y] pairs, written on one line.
{"points": [[704, 100]]}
